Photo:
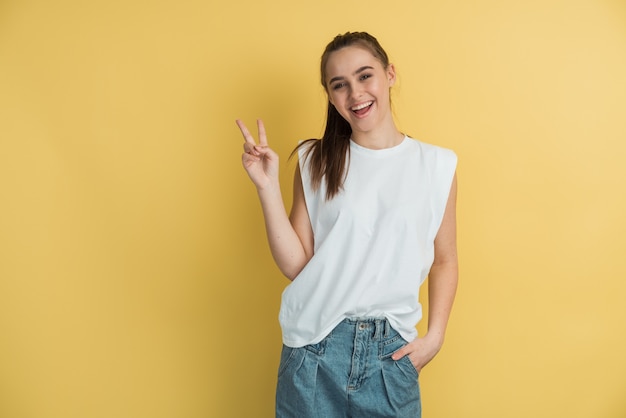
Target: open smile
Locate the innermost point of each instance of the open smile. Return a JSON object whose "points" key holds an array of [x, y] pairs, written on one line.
{"points": [[362, 108]]}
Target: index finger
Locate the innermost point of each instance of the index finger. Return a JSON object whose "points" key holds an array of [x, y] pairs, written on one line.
{"points": [[245, 132]]}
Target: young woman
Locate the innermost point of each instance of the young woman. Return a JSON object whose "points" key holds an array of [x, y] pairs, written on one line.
{"points": [[373, 214]]}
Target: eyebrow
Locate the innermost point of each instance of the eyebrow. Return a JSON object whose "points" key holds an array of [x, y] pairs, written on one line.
{"points": [[360, 70]]}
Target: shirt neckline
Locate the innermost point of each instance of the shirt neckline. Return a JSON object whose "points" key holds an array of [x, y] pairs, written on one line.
{"points": [[383, 152]]}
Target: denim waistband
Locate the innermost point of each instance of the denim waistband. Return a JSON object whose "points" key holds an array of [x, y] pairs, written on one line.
{"points": [[379, 327]]}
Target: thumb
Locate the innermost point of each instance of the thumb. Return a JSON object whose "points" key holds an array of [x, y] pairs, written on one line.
{"points": [[400, 353], [266, 152]]}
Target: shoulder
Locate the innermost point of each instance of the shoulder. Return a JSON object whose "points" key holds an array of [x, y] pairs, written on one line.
{"points": [[433, 153]]}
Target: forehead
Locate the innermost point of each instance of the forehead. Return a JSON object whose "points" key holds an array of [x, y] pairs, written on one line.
{"points": [[346, 60]]}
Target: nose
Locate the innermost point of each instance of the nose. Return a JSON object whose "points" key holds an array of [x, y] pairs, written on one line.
{"points": [[356, 92]]}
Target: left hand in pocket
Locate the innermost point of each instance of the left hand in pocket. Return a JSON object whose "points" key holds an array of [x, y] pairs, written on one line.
{"points": [[420, 351]]}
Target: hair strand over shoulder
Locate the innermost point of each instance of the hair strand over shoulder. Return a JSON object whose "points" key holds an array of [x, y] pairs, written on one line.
{"points": [[328, 156]]}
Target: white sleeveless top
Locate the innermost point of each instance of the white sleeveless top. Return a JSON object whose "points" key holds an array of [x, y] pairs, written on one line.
{"points": [[374, 241]]}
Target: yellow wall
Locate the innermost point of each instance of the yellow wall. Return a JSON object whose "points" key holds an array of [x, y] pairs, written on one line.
{"points": [[135, 280]]}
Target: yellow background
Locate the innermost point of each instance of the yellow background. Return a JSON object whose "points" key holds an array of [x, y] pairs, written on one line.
{"points": [[135, 280]]}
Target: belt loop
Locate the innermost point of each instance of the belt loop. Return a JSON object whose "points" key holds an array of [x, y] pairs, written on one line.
{"points": [[377, 331], [386, 328]]}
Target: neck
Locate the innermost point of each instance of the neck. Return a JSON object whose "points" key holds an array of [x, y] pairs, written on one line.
{"points": [[386, 136]]}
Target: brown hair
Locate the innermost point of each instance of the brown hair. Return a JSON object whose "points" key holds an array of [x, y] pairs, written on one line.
{"points": [[328, 155]]}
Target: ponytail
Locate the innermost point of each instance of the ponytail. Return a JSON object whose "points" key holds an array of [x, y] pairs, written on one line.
{"points": [[328, 155]]}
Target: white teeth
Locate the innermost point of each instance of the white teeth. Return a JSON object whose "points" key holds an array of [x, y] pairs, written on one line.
{"points": [[361, 106]]}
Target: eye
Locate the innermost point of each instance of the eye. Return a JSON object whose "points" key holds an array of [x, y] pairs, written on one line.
{"points": [[337, 86], [364, 77]]}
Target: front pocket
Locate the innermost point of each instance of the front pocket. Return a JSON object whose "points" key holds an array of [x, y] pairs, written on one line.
{"points": [[405, 363], [318, 348], [390, 346], [287, 357]]}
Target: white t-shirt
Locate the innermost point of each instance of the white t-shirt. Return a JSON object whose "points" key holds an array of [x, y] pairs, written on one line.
{"points": [[374, 241]]}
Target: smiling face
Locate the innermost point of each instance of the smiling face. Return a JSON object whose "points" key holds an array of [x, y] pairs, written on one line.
{"points": [[358, 86]]}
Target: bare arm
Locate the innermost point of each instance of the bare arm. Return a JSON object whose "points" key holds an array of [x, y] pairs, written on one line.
{"points": [[291, 252], [444, 273], [442, 284], [299, 216]]}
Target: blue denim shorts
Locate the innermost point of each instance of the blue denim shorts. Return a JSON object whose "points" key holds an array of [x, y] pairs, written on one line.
{"points": [[349, 374]]}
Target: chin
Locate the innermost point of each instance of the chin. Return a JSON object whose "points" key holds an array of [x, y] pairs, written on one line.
{"points": [[363, 125]]}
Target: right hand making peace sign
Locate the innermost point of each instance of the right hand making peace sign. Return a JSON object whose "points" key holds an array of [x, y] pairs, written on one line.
{"points": [[260, 161]]}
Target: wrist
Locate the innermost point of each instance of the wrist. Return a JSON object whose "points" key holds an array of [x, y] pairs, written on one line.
{"points": [[435, 336], [271, 187]]}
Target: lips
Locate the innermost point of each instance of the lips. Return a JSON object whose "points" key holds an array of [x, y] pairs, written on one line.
{"points": [[362, 108]]}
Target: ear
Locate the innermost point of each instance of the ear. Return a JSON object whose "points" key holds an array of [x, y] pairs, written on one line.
{"points": [[391, 74]]}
